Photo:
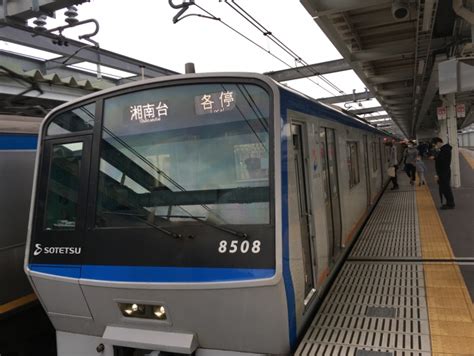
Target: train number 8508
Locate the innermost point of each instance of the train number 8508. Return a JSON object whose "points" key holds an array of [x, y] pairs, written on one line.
{"points": [[239, 246]]}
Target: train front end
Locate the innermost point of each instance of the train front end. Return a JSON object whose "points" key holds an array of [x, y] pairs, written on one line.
{"points": [[156, 222]]}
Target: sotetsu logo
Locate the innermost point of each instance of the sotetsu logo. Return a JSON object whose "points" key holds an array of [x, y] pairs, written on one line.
{"points": [[56, 250]]}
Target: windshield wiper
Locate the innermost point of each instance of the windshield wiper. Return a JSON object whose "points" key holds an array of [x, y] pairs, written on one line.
{"points": [[242, 235], [142, 218]]}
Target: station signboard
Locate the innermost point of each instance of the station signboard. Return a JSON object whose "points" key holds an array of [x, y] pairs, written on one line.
{"points": [[441, 112], [460, 110]]}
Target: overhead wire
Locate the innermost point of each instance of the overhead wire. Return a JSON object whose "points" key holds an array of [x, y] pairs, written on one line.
{"points": [[261, 47], [260, 27], [298, 59], [241, 34]]}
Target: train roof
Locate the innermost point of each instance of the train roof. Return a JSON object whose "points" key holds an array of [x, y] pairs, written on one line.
{"points": [[330, 111]]}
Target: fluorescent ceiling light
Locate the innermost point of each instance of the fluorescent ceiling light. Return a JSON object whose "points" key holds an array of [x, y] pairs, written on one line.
{"points": [[421, 66], [427, 15], [27, 51]]}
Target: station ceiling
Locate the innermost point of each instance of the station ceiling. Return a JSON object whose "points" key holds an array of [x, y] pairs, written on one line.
{"points": [[396, 54]]}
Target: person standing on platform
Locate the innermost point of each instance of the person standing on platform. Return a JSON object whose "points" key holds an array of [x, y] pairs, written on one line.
{"points": [[420, 169], [410, 159], [393, 165], [443, 172]]}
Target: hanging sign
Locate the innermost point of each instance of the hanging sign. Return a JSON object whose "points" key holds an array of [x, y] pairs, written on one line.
{"points": [[460, 110], [441, 112]]}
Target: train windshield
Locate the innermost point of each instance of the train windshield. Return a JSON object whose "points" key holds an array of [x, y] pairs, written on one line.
{"points": [[177, 154]]}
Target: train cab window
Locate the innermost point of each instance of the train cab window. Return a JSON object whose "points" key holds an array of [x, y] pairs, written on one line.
{"points": [[63, 185], [174, 155], [251, 162], [353, 163], [76, 120]]}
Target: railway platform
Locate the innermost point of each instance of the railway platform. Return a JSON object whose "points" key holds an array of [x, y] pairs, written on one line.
{"points": [[407, 286]]}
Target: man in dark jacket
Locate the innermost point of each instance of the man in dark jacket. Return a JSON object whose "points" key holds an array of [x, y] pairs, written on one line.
{"points": [[443, 172]]}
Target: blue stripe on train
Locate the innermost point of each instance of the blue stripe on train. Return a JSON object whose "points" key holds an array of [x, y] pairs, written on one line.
{"points": [[290, 293], [154, 274], [18, 142], [71, 271]]}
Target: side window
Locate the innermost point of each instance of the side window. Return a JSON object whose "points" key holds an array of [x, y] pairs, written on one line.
{"points": [[63, 187], [374, 157], [80, 119], [353, 163]]}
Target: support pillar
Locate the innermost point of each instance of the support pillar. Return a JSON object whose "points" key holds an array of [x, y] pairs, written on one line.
{"points": [[452, 139]]}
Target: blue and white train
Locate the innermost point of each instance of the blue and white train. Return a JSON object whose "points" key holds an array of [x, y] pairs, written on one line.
{"points": [[195, 214]]}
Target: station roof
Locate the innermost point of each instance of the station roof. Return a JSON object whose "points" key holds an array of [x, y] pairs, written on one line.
{"points": [[397, 58], [32, 85]]}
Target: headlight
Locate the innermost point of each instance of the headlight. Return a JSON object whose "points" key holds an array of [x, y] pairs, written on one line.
{"points": [[136, 310], [160, 312]]}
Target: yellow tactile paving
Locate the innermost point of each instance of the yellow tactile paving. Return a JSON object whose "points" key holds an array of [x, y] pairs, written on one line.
{"points": [[468, 155], [440, 278], [447, 314], [450, 309], [447, 328], [434, 243], [453, 344], [446, 300]]}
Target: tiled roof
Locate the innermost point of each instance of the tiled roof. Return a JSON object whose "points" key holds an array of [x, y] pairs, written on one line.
{"points": [[53, 78]]}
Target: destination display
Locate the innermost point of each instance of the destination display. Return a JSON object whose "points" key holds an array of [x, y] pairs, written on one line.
{"points": [[148, 112], [214, 102], [191, 106]]}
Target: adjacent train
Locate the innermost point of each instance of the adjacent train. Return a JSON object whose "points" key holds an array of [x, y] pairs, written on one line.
{"points": [[18, 140], [195, 214]]}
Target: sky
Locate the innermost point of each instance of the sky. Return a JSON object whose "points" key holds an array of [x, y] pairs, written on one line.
{"points": [[143, 29]]}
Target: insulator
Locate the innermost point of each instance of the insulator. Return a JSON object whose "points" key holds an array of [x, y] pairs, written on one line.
{"points": [[71, 14], [40, 23], [60, 41]]}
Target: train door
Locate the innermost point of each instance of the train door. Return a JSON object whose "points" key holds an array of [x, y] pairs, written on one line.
{"points": [[304, 208], [61, 203], [367, 169], [331, 190]]}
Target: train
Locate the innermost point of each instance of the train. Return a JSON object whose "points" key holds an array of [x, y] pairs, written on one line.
{"points": [[18, 140], [195, 214]]}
